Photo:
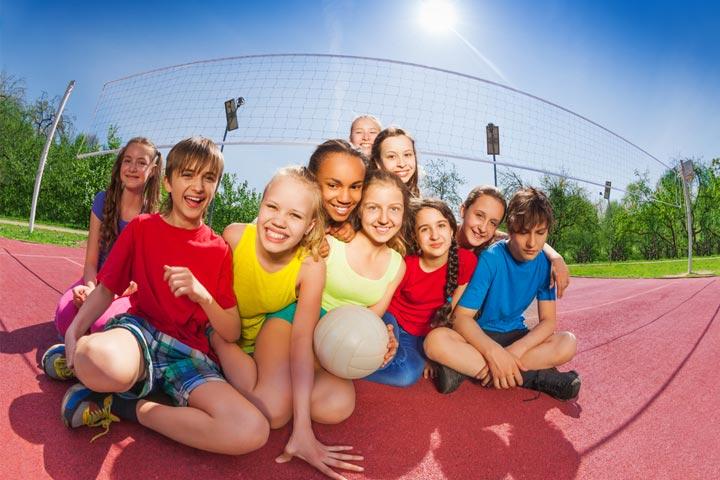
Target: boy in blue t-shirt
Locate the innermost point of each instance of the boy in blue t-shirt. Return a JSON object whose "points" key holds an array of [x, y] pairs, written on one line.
{"points": [[489, 340]]}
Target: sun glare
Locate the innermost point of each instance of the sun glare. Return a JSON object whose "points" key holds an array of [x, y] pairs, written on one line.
{"points": [[437, 15]]}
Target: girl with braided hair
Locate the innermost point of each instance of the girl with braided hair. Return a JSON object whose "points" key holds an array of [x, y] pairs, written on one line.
{"points": [[437, 272]]}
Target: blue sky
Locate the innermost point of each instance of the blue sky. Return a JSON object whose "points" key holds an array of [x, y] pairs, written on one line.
{"points": [[648, 70]]}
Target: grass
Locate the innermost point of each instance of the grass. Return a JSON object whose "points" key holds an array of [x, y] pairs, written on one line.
{"points": [[41, 235], [634, 269], [646, 269]]}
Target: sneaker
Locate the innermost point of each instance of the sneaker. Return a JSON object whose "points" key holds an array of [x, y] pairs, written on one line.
{"points": [[446, 379], [81, 406], [559, 385], [54, 364]]}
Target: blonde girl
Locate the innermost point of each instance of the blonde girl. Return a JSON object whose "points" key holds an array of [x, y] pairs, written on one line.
{"points": [[276, 265], [363, 130]]}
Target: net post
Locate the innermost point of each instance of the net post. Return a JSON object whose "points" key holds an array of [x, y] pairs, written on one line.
{"points": [[46, 150], [687, 174]]}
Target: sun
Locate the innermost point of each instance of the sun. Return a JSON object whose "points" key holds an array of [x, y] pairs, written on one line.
{"points": [[437, 15]]}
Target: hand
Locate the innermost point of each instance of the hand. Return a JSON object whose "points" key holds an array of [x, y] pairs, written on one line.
{"points": [[305, 446], [391, 347], [80, 294], [429, 370], [70, 346], [324, 249], [504, 368], [132, 288], [345, 232], [182, 282], [559, 276]]}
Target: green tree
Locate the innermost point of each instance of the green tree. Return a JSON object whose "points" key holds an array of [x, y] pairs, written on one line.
{"points": [[442, 180], [234, 202], [576, 234]]}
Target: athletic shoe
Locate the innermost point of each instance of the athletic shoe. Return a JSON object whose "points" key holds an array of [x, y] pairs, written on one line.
{"points": [[446, 379], [54, 363], [81, 406], [559, 385]]}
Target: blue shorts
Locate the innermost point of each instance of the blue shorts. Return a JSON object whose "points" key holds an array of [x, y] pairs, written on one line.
{"points": [[170, 365]]}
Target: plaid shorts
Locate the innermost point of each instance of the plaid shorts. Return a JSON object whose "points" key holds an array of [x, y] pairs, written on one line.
{"points": [[169, 364]]}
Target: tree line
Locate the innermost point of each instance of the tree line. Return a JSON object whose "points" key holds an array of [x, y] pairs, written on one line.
{"points": [[69, 183], [647, 223]]}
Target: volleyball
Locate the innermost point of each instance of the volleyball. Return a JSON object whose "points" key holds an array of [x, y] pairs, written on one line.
{"points": [[351, 341]]}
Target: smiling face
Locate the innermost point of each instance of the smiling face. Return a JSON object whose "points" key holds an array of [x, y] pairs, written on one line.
{"points": [[480, 221], [397, 155], [381, 211], [434, 233], [363, 132], [340, 176], [137, 166], [191, 191], [527, 244], [286, 215]]}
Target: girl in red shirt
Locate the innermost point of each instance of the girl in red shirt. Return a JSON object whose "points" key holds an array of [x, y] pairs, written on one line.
{"points": [[435, 277]]}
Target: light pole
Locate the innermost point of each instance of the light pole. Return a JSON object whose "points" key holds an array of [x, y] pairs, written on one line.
{"points": [[493, 145], [231, 123]]}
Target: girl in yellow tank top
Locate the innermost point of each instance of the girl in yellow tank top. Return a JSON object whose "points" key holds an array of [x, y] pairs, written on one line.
{"points": [[259, 291], [276, 265]]}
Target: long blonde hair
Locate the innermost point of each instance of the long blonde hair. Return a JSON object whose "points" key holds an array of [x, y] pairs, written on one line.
{"points": [[312, 241]]}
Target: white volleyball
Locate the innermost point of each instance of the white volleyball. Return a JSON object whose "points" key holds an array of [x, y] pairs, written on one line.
{"points": [[350, 341]]}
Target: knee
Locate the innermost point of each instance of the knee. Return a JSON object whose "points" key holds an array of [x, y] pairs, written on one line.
{"points": [[249, 432], [435, 342], [101, 367], [336, 407], [409, 377], [567, 347], [279, 411]]}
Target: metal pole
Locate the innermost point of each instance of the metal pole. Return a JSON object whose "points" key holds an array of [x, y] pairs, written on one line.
{"points": [[494, 170], [688, 212], [46, 150], [212, 205]]}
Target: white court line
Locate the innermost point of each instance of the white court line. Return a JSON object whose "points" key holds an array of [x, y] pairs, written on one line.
{"points": [[615, 301], [43, 256]]}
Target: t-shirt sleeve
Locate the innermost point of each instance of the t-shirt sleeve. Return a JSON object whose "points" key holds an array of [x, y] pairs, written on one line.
{"points": [[116, 272], [98, 205], [477, 289], [468, 262], [544, 291], [225, 294]]}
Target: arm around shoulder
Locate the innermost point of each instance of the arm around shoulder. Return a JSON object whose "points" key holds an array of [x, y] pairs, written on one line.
{"points": [[233, 233]]}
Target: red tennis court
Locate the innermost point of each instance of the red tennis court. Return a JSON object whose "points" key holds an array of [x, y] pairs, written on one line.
{"points": [[649, 406]]}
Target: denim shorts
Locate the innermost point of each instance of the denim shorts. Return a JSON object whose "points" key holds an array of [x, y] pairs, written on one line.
{"points": [[170, 365]]}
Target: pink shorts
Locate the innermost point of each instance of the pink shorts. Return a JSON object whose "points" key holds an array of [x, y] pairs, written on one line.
{"points": [[66, 311]]}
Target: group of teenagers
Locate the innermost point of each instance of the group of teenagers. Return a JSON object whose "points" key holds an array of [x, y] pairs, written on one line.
{"points": [[208, 339]]}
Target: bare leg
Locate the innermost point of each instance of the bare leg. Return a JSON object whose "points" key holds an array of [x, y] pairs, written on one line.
{"points": [[449, 348], [218, 419], [238, 367], [109, 361], [332, 399], [265, 378], [557, 350]]}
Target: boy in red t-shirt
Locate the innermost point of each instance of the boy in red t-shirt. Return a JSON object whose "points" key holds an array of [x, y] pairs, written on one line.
{"points": [[184, 273]]}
